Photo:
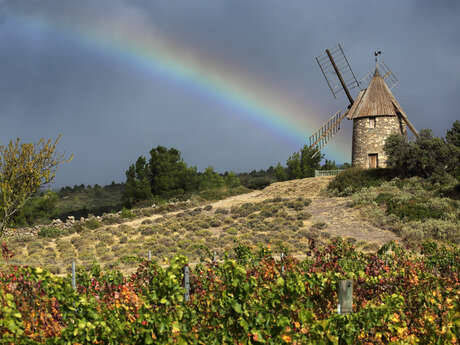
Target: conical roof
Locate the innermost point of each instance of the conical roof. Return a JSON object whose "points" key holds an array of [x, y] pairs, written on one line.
{"points": [[376, 100]]}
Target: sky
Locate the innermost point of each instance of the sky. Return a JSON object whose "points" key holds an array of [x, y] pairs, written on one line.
{"points": [[232, 84]]}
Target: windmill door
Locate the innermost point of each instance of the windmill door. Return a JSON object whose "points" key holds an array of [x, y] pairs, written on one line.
{"points": [[373, 160]]}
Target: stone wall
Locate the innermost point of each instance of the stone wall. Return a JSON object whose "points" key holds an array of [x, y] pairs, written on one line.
{"points": [[367, 140]]}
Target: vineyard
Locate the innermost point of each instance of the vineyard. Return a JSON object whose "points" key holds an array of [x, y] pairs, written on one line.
{"points": [[399, 297]]}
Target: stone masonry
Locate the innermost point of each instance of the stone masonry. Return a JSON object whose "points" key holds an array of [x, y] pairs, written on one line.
{"points": [[368, 140]]}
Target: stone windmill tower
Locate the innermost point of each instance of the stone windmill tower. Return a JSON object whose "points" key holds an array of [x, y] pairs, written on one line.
{"points": [[375, 113]]}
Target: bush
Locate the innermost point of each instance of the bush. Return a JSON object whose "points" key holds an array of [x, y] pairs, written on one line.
{"points": [[127, 214], [49, 231], [354, 179], [414, 209], [303, 215], [92, 224], [149, 231], [221, 211], [319, 226]]}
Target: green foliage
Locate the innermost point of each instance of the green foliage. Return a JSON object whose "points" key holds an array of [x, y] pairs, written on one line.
{"points": [[414, 208], [209, 179], [169, 174], [280, 173], [329, 165], [92, 223], [231, 180], [137, 182], [428, 156], [24, 168], [222, 193], [40, 208], [294, 168], [125, 213], [49, 231], [399, 297], [353, 180], [453, 134], [304, 163]]}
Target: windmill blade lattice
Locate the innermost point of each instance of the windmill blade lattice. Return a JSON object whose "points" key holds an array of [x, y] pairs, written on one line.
{"points": [[334, 64], [321, 137]]}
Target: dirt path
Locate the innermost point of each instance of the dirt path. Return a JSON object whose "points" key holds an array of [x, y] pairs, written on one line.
{"points": [[341, 220]]}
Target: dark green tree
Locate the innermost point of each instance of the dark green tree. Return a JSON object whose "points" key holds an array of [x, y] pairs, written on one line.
{"points": [[453, 135], [231, 180], [294, 168], [137, 183], [310, 160], [211, 179], [169, 175], [427, 156], [329, 165], [280, 173]]}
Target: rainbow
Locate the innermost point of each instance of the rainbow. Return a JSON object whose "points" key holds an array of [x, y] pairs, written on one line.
{"points": [[252, 101]]}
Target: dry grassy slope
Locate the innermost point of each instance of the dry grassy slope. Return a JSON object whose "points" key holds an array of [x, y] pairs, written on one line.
{"points": [[264, 219], [341, 220]]}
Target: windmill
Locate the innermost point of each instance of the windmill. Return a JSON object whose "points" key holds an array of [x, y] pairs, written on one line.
{"points": [[375, 113]]}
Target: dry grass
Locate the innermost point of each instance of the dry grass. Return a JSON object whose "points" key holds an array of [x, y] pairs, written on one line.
{"points": [[287, 215]]}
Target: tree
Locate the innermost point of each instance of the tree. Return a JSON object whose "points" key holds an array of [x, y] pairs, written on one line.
{"points": [[211, 179], [168, 173], [329, 165], [24, 168], [36, 209], [294, 168], [231, 180], [137, 182], [280, 173], [304, 163], [310, 159], [428, 156], [453, 135]]}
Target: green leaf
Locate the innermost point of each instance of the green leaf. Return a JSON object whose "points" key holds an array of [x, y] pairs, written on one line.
{"points": [[237, 307]]}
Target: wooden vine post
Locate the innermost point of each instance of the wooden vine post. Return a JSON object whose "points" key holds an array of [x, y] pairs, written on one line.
{"points": [[74, 278], [187, 283], [345, 296]]}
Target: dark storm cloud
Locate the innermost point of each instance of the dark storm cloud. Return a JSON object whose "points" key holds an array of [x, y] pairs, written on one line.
{"points": [[109, 113]]}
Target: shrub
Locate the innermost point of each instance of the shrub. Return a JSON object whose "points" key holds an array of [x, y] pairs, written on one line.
{"points": [[215, 222], [110, 219], [269, 211], [296, 205], [127, 214], [221, 211], [319, 226], [149, 231], [303, 215], [354, 179], [49, 231], [438, 229], [147, 212], [195, 212], [92, 224]]}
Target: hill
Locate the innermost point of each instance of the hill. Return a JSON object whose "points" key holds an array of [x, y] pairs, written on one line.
{"points": [[287, 215]]}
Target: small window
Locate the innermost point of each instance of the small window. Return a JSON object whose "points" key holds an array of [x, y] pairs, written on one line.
{"points": [[372, 122]]}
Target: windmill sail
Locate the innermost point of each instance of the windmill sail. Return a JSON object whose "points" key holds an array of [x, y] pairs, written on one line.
{"points": [[334, 64], [322, 136]]}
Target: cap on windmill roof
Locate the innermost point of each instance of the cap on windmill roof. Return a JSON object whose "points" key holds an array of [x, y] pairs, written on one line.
{"points": [[376, 100]]}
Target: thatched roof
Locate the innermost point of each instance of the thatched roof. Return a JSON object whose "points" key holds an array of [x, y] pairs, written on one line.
{"points": [[376, 100]]}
